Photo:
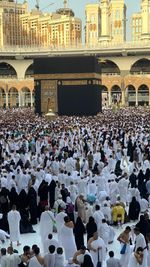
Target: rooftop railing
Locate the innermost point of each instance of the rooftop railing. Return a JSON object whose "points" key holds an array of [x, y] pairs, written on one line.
{"points": [[80, 47]]}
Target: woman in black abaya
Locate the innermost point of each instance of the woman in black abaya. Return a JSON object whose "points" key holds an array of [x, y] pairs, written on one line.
{"points": [[4, 200], [79, 231], [43, 194], [134, 209], [87, 261], [52, 187], [91, 228], [23, 204], [13, 198], [32, 202]]}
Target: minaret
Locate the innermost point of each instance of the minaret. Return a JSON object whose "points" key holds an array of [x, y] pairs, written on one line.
{"points": [[93, 22], [118, 21], [105, 22], [145, 14], [26, 4], [65, 4]]}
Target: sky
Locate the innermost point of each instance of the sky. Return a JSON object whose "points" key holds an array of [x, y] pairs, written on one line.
{"points": [[79, 8]]}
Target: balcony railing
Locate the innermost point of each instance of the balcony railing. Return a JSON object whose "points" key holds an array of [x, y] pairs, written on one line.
{"points": [[113, 45]]}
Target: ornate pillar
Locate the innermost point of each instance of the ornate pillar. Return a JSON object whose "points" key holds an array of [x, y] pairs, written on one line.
{"points": [[123, 98], [31, 98], [6, 99], [109, 98], [136, 97], [23, 98], [1, 99], [19, 98]]}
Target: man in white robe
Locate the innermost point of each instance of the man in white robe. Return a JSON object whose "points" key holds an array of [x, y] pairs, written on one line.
{"points": [[4, 258], [70, 165], [137, 259], [139, 239], [78, 257], [97, 249], [140, 242], [113, 262], [3, 236], [92, 188], [98, 217], [106, 210], [50, 240], [144, 205], [123, 189], [59, 258], [73, 191], [49, 258], [14, 258], [104, 232], [114, 191], [82, 186], [46, 223], [111, 164], [14, 225], [59, 203], [60, 223]]}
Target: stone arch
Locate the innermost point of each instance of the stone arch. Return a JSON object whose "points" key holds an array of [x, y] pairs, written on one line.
{"points": [[2, 98], [140, 66], [7, 71], [104, 88], [109, 67], [143, 95], [19, 65], [116, 94], [25, 97], [11, 10], [130, 92], [13, 97], [29, 71]]}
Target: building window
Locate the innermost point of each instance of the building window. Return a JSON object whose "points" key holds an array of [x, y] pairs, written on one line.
{"points": [[92, 18], [117, 15], [137, 22]]}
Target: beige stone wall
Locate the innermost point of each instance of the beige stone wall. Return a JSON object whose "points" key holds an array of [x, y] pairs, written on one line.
{"points": [[111, 80]]}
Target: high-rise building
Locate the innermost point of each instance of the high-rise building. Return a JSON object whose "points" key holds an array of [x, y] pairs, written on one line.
{"points": [[10, 30], [140, 23], [106, 22], [136, 26], [20, 27]]}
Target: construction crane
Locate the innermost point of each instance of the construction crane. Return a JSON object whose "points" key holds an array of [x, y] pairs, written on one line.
{"points": [[47, 6], [38, 5]]}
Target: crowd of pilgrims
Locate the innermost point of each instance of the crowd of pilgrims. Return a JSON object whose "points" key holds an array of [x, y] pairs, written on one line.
{"points": [[79, 179]]}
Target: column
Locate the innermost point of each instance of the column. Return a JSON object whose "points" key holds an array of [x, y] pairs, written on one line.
{"points": [[6, 99], [109, 98], [136, 97], [123, 98], [31, 99], [23, 99], [19, 99], [149, 97]]}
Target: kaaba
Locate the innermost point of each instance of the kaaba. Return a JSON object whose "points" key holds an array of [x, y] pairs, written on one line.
{"points": [[68, 86]]}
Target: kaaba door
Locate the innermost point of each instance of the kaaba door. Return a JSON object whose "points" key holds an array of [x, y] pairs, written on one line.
{"points": [[49, 96]]}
